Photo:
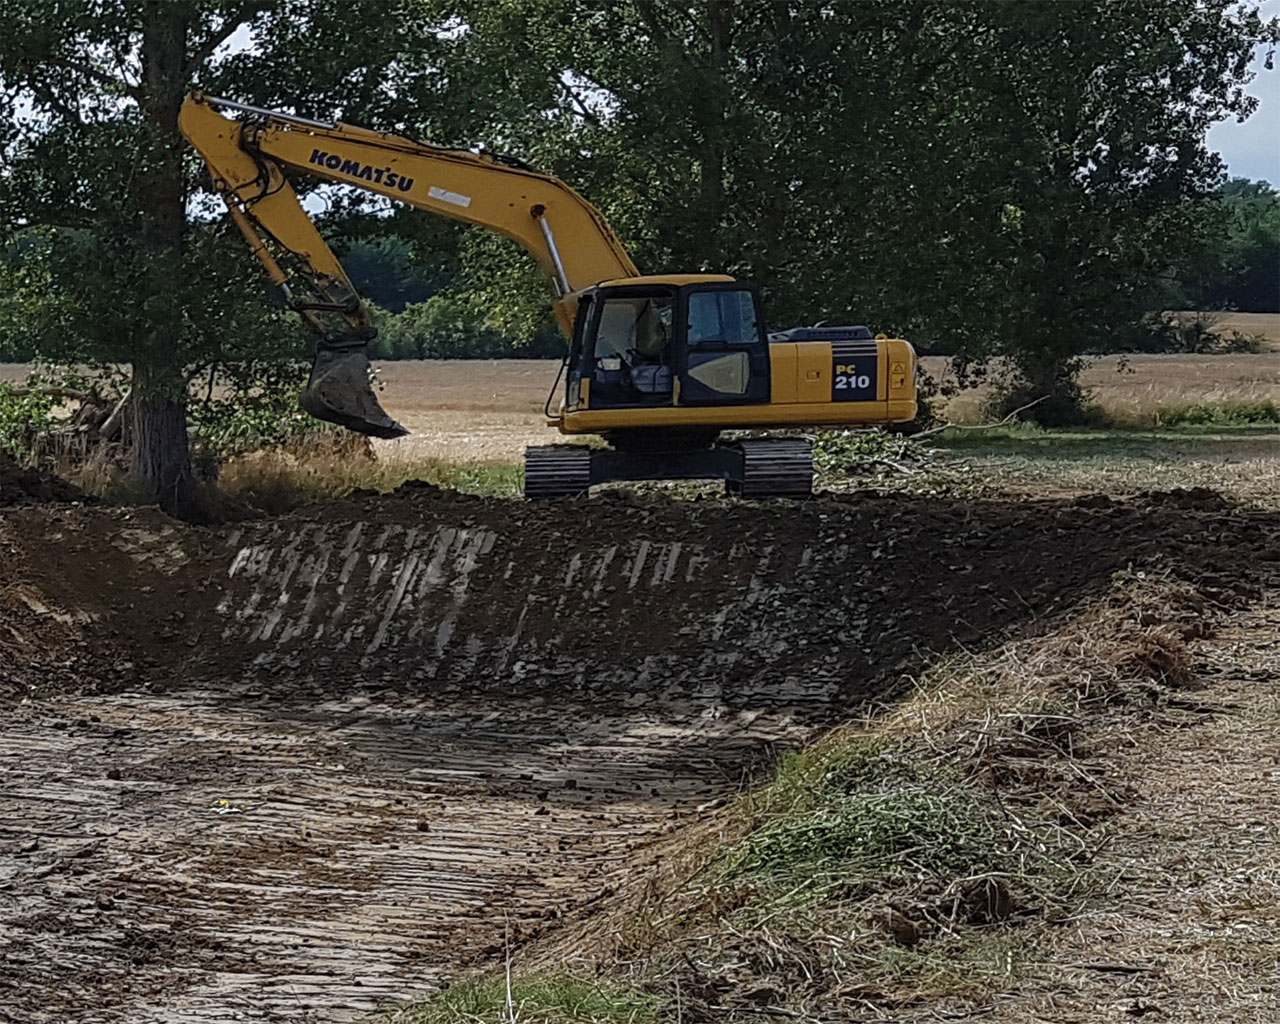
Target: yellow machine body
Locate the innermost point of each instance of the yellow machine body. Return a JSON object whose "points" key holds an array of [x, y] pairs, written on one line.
{"points": [[802, 378]]}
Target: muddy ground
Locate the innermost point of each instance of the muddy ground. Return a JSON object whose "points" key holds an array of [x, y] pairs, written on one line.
{"points": [[293, 768]]}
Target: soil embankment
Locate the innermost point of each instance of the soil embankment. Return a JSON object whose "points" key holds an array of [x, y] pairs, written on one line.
{"points": [[299, 766]]}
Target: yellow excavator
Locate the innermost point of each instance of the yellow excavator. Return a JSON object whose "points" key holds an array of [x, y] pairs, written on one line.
{"points": [[658, 366]]}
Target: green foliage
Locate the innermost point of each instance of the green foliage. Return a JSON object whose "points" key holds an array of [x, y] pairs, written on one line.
{"points": [[1032, 169], [24, 416], [865, 837], [46, 401], [255, 406], [96, 171], [453, 325], [852, 813], [550, 999], [1238, 261], [1226, 413], [385, 271]]}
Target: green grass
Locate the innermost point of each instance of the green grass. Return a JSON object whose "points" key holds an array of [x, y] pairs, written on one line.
{"points": [[847, 813], [875, 836], [549, 999], [487, 479], [1227, 413]]}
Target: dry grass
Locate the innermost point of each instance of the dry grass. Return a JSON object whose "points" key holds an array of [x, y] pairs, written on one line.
{"points": [[1132, 390], [933, 856], [333, 465]]}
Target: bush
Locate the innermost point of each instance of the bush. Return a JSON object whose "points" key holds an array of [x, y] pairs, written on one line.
{"points": [[1191, 333], [24, 414]]}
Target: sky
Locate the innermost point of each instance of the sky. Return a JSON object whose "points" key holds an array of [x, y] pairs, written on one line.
{"points": [[1252, 149]]}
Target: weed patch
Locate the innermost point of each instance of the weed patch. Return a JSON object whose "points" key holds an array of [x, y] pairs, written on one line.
{"points": [[549, 999], [873, 837]]}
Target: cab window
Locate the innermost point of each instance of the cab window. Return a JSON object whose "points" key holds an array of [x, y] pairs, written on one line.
{"points": [[725, 317], [631, 327]]}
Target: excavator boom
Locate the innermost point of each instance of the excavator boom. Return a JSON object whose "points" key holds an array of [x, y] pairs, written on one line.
{"points": [[251, 161]]}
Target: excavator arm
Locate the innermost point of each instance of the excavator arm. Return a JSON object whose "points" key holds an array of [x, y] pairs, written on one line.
{"points": [[251, 162]]}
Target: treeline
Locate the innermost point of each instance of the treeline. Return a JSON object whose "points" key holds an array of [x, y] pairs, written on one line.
{"points": [[1238, 265]]}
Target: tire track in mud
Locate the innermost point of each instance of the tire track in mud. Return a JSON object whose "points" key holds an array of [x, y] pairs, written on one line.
{"points": [[229, 856], [360, 742]]}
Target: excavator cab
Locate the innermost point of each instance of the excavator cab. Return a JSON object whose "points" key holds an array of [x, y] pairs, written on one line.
{"points": [[647, 342]]}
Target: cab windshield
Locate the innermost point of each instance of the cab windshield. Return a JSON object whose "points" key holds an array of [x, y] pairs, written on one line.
{"points": [[634, 327]]}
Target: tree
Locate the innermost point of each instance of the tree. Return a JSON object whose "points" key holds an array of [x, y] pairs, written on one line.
{"points": [[1240, 264], [96, 168], [1004, 178]]}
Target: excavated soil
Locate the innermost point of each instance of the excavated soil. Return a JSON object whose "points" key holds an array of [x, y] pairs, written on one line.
{"points": [[22, 486], [296, 768]]}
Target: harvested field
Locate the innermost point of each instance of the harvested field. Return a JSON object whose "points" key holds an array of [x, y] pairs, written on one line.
{"points": [[293, 768], [490, 410], [1131, 390]]}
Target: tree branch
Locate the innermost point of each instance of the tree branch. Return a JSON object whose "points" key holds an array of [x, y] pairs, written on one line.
{"points": [[97, 75], [46, 95], [582, 109], [233, 21], [61, 219]]}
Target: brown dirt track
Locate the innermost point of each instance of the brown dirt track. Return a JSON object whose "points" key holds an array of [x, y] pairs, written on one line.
{"points": [[289, 769]]}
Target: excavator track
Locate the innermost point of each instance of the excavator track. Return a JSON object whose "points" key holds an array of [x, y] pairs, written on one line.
{"points": [[557, 470], [774, 467], [755, 468]]}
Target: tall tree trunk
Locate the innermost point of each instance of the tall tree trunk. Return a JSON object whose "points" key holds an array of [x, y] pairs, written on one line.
{"points": [[161, 456], [715, 104]]}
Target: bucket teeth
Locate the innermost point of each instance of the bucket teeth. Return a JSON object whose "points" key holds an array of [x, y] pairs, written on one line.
{"points": [[339, 391]]}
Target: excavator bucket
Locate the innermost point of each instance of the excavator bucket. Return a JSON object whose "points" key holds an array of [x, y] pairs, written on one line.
{"points": [[339, 391]]}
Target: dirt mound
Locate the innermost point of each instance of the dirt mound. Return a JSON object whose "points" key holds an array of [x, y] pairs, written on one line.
{"points": [[21, 486], [425, 589], [1199, 499]]}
